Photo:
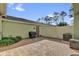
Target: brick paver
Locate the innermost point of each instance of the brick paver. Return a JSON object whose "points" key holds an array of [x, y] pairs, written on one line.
{"points": [[41, 48]]}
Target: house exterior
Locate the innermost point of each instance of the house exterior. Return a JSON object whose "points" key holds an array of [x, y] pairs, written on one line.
{"points": [[13, 26], [76, 20], [2, 13]]}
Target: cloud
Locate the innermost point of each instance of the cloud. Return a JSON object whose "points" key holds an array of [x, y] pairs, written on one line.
{"points": [[50, 15], [72, 18], [17, 7]]}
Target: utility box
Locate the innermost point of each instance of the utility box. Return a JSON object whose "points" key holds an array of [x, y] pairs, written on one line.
{"points": [[32, 34], [67, 36]]}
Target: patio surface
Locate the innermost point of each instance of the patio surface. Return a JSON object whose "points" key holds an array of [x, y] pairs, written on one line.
{"points": [[41, 48]]}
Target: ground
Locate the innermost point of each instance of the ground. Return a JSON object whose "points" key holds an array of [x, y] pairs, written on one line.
{"points": [[18, 44], [61, 46]]}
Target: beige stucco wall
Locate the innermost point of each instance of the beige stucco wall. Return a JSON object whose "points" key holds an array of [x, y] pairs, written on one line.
{"points": [[55, 32], [49, 31], [0, 27], [3, 8], [76, 20], [62, 30], [16, 28], [11, 28], [3, 12]]}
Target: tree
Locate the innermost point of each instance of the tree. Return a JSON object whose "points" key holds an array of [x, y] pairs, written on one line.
{"points": [[38, 19], [63, 14], [55, 17], [71, 16], [71, 13], [48, 19], [62, 24], [59, 16]]}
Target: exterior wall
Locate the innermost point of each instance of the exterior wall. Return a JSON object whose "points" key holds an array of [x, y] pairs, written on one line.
{"points": [[3, 13], [16, 28], [0, 27], [62, 30], [76, 20], [55, 32], [3, 8], [49, 31], [11, 28]]}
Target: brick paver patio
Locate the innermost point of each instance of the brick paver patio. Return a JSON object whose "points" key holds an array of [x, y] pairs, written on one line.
{"points": [[41, 48]]}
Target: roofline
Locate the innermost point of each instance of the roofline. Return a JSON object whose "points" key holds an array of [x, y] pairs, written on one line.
{"points": [[24, 20]]}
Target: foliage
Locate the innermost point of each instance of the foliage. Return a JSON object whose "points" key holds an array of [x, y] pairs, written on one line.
{"points": [[62, 24], [71, 14], [63, 13], [9, 40], [6, 42], [18, 38], [56, 17], [5, 38]]}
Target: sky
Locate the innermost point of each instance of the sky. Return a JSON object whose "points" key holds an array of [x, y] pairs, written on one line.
{"points": [[33, 11]]}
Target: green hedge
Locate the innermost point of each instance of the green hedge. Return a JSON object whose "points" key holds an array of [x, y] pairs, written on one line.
{"points": [[6, 42], [62, 24], [9, 40], [18, 38]]}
